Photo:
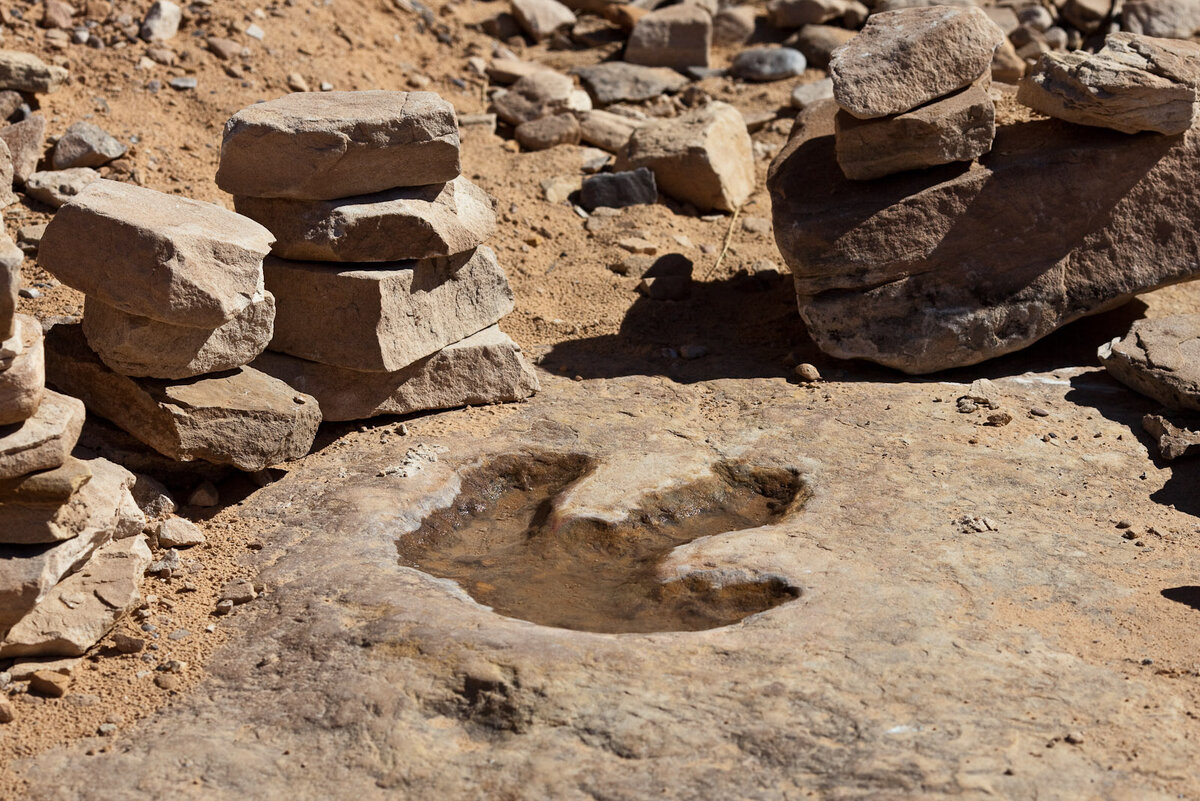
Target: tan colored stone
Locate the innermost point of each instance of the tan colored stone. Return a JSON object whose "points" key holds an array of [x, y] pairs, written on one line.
{"points": [[32, 517], [56, 187], [606, 130], [1174, 19], [543, 134], [43, 441], [384, 318], [25, 72], [23, 669], [674, 36], [419, 222], [242, 417], [904, 59], [84, 607], [49, 684], [10, 282], [165, 257], [142, 347], [46, 488], [542, 18], [7, 195], [956, 128], [23, 374], [24, 140], [484, 368], [795, 13], [703, 157], [324, 145], [538, 95], [1160, 358]]}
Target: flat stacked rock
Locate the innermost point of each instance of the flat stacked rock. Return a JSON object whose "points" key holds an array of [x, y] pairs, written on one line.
{"points": [[57, 513], [175, 308], [386, 299], [912, 89], [1160, 358]]}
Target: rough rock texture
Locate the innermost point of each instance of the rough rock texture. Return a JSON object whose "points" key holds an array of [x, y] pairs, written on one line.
{"points": [[35, 511], [957, 128], [1173, 19], [675, 36], [703, 157], [1134, 84], [539, 95], [43, 441], [548, 132], [161, 21], [7, 195], [25, 72], [1173, 442], [391, 683], [29, 572], [619, 82], [618, 189], [1057, 222], [80, 610], [606, 130], [324, 145], [242, 418], [902, 59], [10, 284], [56, 187], [22, 374], [24, 140], [160, 256], [141, 347], [795, 13], [817, 42], [483, 368], [542, 18], [421, 222], [85, 145], [1160, 358], [384, 318]]}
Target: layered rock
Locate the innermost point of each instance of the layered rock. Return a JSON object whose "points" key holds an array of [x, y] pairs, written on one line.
{"points": [[44, 440], [25, 72], [947, 267], [22, 371], [1160, 358]]}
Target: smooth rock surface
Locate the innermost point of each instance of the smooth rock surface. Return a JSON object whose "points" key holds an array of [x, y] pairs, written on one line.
{"points": [[768, 64], [1134, 84], [1172, 19], [620, 82], [703, 157], [241, 418], [484, 368], [22, 374], [957, 128], [1057, 222], [85, 145], [795, 13], [1159, 358], [165, 257], [79, 611], [808, 93], [56, 187], [542, 18], [419, 222], [903, 59], [45, 440], [548, 132], [25, 72], [675, 36], [325, 145], [383, 318], [145, 348]]}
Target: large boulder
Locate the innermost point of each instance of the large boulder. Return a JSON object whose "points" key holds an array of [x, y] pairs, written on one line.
{"points": [[950, 266], [1174, 19]]}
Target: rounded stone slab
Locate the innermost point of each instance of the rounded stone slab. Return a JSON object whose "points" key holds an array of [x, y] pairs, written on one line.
{"points": [[902, 59], [35, 510], [165, 257], [325, 145], [43, 441], [23, 376], [1160, 358], [420, 222], [142, 347]]}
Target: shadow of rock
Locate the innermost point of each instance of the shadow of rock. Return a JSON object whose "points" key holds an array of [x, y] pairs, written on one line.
{"points": [[1189, 595]]}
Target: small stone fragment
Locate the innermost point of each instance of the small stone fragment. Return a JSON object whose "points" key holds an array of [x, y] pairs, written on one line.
{"points": [[542, 18], [1173, 441], [85, 145], [176, 532], [128, 644], [620, 82], [24, 140], [619, 189], [768, 64], [807, 372], [239, 591], [56, 187], [548, 132], [49, 684], [161, 21]]}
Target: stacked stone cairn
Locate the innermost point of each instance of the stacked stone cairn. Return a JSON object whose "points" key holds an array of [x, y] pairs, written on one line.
{"points": [[386, 298], [913, 91], [71, 547], [175, 309]]}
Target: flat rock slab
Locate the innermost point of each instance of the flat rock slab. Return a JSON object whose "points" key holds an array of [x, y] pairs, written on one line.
{"points": [[325, 145], [43, 441], [703, 157], [956, 128], [241, 417], [23, 375], [28, 573], [903, 59], [383, 318], [1134, 84], [905, 627], [484, 368], [25, 72], [56, 187], [145, 348], [421, 222], [1159, 358], [1055, 223], [33, 516], [619, 82], [1173, 441], [165, 257], [676, 36], [81, 609]]}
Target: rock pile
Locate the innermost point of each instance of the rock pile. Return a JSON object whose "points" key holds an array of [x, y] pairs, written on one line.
{"points": [[175, 309], [71, 546], [386, 298], [912, 89], [924, 270]]}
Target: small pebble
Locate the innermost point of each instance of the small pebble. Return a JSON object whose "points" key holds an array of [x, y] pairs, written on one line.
{"points": [[29, 292], [223, 607], [107, 729], [1038, 411], [127, 644], [1074, 738], [1124, 524], [7, 714], [807, 372], [182, 83]]}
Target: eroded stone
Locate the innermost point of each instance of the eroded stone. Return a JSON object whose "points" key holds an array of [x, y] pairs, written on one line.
{"points": [[23, 373], [43, 441], [25, 72], [1160, 358], [674, 36]]}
